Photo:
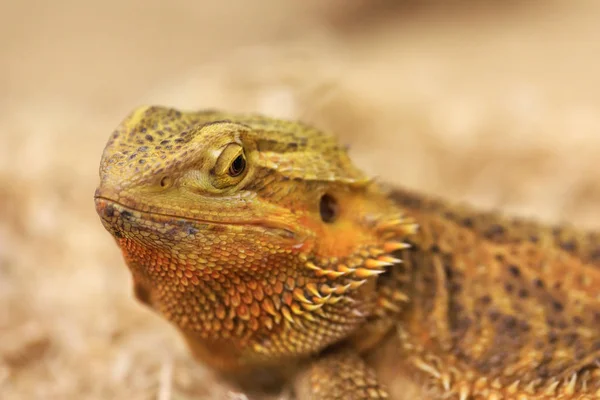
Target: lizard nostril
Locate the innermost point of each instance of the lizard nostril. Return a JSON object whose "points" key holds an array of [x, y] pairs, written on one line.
{"points": [[328, 208], [165, 182]]}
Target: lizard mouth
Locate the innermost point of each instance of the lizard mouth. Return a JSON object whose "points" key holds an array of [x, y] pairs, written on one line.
{"points": [[111, 210]]}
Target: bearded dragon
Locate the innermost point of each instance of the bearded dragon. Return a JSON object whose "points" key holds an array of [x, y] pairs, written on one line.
{"points": [[285, 266]]}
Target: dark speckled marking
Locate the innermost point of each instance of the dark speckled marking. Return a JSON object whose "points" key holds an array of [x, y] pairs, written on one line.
{"points": [[191, 230], [495, 232], [538, 283], [557, 306]]}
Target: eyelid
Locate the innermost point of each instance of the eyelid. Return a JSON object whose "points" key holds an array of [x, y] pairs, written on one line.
{"points": [[226, 157]]}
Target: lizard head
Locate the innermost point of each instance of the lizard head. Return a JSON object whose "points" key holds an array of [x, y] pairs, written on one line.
{"points": [[257, 237]]}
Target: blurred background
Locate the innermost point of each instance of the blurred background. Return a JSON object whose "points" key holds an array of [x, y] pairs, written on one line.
{"points": [[492, 102]]}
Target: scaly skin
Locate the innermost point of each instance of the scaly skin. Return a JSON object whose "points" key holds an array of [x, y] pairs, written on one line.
{"points": [[280, 263]]}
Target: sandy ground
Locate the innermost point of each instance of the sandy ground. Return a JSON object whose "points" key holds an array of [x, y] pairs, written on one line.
{"points": [[497, 104]]}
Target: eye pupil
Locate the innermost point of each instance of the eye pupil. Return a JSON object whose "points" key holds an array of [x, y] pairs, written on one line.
{"points": [[237, 166], [328, 208]]}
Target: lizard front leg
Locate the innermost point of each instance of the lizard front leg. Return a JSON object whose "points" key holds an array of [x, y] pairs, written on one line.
{"points": [[341, 375]]}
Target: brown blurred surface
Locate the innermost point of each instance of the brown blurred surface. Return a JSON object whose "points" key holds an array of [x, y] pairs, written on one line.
{"points": [[497, 104]]}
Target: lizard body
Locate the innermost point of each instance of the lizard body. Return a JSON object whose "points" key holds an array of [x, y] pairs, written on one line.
{"points": [[282, 264]]}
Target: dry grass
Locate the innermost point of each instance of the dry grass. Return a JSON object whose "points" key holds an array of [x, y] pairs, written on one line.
{"points": [[498, 105]]}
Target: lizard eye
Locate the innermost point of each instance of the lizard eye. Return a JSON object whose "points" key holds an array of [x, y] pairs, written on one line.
{"points": [[230, 167], [237, 166]]}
